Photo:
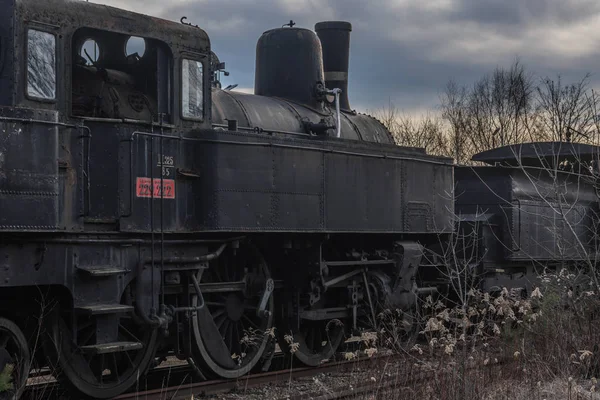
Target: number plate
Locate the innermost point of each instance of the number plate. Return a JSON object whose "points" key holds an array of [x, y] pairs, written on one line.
{"points": [[144, 188]]}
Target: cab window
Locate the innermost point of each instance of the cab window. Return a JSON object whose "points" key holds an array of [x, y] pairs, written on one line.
{"points": [[41, 65], [192, 105], [119, 76]]}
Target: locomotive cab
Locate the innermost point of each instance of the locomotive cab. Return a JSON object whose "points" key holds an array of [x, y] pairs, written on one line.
{"points": [[87, 94], [119, 76], [118, 65]]}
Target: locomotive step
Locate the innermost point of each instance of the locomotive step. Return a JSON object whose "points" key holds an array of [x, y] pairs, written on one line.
{"points": [[96, 309], [114, 347], [99, 271]]}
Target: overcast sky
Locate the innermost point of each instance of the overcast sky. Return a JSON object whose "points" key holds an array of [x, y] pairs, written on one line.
{"points": [[406, 50]]}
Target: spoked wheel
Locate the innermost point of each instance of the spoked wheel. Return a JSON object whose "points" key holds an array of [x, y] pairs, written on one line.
{"points": [[315, 343], [15, 360], [229, 334], [97, 374]]}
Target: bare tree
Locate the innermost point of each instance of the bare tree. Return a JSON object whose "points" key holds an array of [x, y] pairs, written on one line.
{"points": [[387, 115], [497, 108], [424, 132], [427, 133], [505, 107], [593, 100], [566, 111], [454, 112], [493, 112]]}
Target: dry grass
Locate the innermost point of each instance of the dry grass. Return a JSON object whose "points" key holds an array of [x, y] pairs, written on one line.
{"points": [[557, 389], [550, 340]]}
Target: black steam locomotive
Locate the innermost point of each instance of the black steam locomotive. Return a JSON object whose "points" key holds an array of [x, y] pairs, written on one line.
{"points": [[146, 211]]}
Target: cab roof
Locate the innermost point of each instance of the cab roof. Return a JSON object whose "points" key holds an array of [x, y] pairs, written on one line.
{"points": [[75, 14]]}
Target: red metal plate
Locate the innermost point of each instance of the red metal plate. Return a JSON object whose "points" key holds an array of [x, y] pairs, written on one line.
{"points": [[144, 188]]}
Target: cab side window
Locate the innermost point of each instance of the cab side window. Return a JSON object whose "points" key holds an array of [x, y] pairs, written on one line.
{"points": [[120, 76], [41, 65], [192, 99]]}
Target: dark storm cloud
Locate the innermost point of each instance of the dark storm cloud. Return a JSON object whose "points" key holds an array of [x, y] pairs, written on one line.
{"points": [[406, 50], [514, 13]]}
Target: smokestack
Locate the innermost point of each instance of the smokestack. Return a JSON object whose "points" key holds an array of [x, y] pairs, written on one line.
{"points": [[335, 42]]}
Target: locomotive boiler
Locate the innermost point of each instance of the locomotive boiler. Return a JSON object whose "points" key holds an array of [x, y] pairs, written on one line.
{"points": [[301, 87]]}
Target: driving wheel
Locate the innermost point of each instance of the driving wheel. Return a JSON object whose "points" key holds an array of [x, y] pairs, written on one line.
{"points": [[230, 333]]}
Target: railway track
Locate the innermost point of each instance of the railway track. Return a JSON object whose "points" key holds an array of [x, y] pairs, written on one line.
{"points": [[380, 387], [214, 387], [386, 386], [155, 386], [371, 388], [43, 385], [176, 380]]}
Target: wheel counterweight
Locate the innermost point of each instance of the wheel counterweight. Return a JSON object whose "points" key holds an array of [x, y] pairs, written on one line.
{"points": [[315, 343], [230, 333]]}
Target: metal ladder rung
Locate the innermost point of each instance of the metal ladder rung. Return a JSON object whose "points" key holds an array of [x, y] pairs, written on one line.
{"points": [[114, 347], [100, 271], [96, 309]]}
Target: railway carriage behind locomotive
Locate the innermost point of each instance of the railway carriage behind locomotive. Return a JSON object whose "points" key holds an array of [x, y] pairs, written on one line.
{"points": [[526, 208], [145, 211]]}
